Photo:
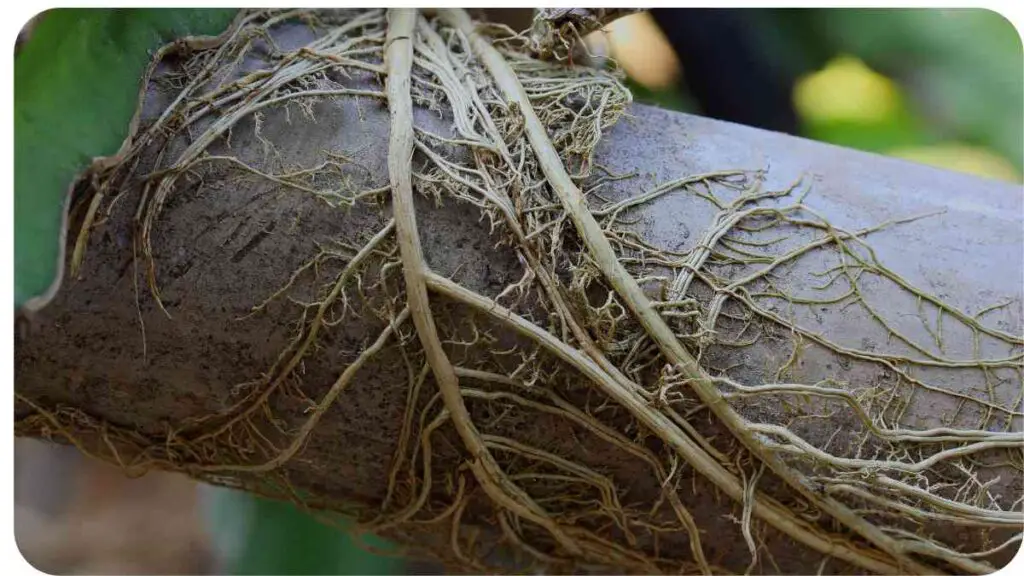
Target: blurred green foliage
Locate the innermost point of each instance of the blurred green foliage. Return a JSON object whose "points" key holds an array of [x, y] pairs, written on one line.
{"points": [[260, 536], [961, 72], [76, 84], [963, 69]]}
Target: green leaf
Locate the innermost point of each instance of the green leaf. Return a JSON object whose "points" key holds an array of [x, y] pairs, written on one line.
{"points": [[261, 536], [962, 67], [76, 84]]}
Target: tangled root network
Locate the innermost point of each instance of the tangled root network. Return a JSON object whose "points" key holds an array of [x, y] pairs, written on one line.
{"points": [[618, 338]]}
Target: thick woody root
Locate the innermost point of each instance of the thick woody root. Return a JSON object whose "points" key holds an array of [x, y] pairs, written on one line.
{"points": [[605, 335]]}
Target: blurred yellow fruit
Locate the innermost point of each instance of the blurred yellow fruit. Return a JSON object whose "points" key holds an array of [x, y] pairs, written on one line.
{"points": [[641, 49], [846, 90], [962, 158]]}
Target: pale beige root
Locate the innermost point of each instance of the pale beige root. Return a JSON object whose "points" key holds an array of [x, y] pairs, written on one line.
{"points": [[604, 256], [398, 61]]}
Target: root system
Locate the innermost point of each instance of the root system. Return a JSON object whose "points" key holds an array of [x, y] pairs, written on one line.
{"points": [[602, 330]]}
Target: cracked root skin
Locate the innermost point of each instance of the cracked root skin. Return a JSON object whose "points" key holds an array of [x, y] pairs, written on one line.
{"points": [[385, 264]]}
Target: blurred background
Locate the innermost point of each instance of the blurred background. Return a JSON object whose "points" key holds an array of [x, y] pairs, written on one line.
{"points": [[938, 86], [942, 87]]}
